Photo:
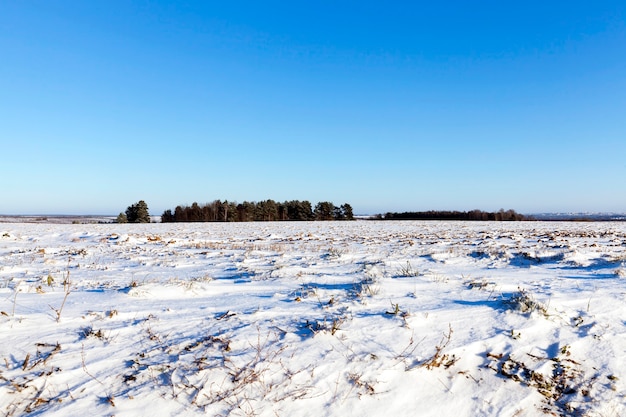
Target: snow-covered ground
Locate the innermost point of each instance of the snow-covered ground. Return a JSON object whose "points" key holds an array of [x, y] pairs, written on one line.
{"points": [[313, 319]]}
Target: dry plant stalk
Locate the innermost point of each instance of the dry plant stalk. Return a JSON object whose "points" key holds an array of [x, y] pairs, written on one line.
{"points": [[438, 359], [67, 289]]}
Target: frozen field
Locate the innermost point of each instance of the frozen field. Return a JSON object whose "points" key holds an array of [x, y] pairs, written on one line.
{"points": [[313, 319]]}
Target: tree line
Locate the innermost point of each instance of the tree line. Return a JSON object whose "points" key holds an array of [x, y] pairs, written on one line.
{"points": [[476, 215], [250, 211], [295, 210]]}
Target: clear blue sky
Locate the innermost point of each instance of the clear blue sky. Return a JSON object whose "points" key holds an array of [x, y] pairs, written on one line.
{"points": [[389, 106]]}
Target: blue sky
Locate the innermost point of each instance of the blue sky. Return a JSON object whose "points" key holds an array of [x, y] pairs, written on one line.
{"points": [[389, 106]]}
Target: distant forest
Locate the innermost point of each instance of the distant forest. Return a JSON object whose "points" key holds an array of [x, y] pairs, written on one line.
{"points": [[249, 211], [501, 215]]}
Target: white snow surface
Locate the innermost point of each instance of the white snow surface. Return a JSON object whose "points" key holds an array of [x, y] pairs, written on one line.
{"points": [[360, 318]]}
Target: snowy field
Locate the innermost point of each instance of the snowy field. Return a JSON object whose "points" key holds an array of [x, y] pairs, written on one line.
{"points": [[313, 319]]}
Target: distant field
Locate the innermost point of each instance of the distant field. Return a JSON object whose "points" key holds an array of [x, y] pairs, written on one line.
{"points": [[56, 219]]}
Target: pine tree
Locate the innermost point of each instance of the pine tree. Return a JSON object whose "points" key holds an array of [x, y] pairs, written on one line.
{"points": [[347, 211], [138, 213], [167, 217], [324, 210]]}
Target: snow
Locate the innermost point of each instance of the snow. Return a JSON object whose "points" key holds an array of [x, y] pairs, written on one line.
{"points": [[360, 318]]}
